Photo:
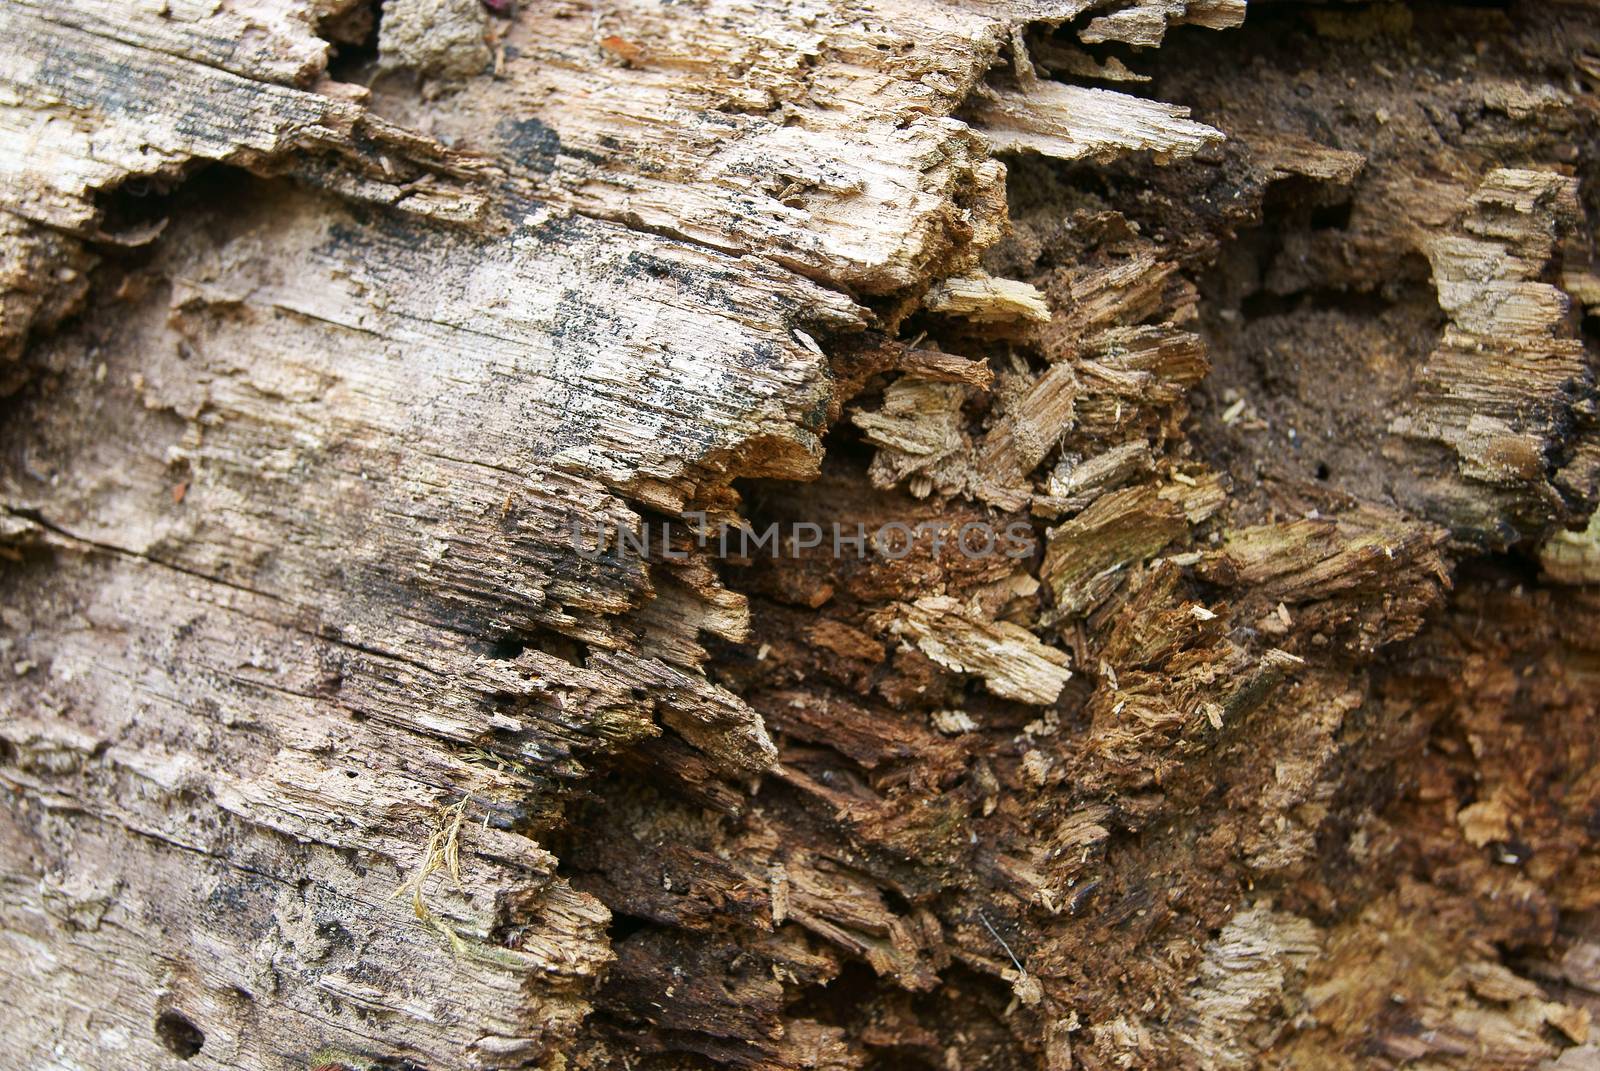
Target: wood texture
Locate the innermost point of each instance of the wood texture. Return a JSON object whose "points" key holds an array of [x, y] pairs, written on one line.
{"points": [[333, 336]]}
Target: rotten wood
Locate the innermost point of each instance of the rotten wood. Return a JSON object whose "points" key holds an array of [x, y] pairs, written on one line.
{"points": [[347, 722]]}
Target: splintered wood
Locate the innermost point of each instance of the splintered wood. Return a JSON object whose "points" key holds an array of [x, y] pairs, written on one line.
{"points": [[1011, 660], [1123, 672]]}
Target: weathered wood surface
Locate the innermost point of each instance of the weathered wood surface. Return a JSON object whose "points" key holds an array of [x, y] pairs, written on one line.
{"points": [[323, 745]]}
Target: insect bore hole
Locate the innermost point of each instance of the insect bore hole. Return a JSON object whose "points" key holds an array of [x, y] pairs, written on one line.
{"points": [[178, 1035]]}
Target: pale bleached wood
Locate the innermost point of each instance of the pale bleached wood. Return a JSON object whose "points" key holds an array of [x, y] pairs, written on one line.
{"points": [[336, 460]]}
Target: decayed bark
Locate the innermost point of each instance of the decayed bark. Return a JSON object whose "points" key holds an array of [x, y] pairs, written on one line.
{"points": [[329, 330]]}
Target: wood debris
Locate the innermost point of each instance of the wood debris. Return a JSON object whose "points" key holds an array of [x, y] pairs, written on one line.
{"points": [[1073, 122], [1011, 660], [349, 361]]}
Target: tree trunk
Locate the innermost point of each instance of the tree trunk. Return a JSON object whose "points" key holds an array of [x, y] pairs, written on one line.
{"points": [[890, 534]]}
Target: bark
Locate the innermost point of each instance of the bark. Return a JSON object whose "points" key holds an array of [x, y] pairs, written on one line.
{"points": [[332, 334]]}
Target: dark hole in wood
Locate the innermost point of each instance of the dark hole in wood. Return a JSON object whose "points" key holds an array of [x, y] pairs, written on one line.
{"points": [[178, 1035]]}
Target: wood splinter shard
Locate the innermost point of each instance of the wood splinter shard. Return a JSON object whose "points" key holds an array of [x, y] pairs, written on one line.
{"points": [[1012, 661], [1076, 122], [983, 298]]}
